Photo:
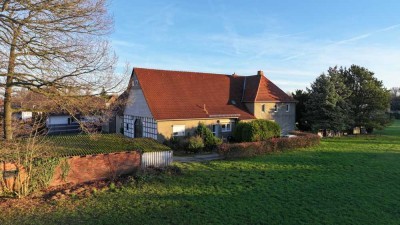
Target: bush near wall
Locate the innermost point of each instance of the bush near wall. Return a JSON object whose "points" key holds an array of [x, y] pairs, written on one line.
{"points": [[249, 149], [256, 130]]}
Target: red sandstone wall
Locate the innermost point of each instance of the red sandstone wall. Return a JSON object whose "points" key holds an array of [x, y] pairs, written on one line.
{"points": [[81, 169], [97, 167]]}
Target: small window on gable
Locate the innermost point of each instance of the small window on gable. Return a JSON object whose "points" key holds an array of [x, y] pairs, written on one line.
{"points": [[263, 107], [287, 108], [276, 108], [178, 130]]}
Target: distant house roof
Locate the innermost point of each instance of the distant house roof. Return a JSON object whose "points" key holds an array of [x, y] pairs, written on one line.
{"points": [[186, 95]]}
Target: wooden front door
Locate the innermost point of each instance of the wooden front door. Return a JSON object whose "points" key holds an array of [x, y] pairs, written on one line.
{"points": [[138, 129]]}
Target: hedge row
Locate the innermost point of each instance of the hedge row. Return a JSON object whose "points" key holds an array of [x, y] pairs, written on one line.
{"points": [[249, 149], [256, 130]]}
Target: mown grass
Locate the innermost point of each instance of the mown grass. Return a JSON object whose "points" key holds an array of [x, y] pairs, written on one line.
{"points": [[392, 130], [349, 180]]}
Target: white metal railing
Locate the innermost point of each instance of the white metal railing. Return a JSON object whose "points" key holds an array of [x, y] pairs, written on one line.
{"points": [[157, 159]]}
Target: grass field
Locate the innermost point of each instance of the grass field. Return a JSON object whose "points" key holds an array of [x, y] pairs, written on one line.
{"points": [[350, 180]]}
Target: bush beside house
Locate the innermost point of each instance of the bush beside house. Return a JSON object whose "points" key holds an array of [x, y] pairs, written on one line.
{"points": [[210, 141], [256, 130], [203, 140]]}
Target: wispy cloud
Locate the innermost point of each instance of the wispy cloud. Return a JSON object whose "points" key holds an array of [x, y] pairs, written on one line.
{"points": [[342, 42]]}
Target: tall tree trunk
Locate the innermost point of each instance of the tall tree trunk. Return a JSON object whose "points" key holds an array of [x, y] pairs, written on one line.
{"points": [[7, 121]]}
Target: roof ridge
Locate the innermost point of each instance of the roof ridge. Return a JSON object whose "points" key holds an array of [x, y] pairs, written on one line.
{"points": [[258, 88], [185, 71]]}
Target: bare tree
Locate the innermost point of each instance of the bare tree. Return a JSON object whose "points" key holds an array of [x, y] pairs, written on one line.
{"points": [[395, 91], [56, 48]]}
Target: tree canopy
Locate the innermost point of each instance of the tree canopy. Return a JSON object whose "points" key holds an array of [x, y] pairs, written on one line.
{"points": [[342, 99], [52, 47], [395, 99]]}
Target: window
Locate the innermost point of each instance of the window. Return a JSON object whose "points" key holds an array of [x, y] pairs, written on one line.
{"points": [[214, 129], [287, 108], [263, 107], [276, 108], [178, 130], [127, 126], [226, 127]]}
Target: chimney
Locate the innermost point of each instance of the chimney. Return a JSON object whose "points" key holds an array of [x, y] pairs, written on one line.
{"points": [[234, 74], [260, 73]]}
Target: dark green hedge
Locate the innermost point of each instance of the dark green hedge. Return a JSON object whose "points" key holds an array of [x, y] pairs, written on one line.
{"points": [[248, 149], [256, 130]]}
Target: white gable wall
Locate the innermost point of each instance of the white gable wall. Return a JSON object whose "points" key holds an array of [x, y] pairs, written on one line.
{"points": [[136, 104], [136, 108]]}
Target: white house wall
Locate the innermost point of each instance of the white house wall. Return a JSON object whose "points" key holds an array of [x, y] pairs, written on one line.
{"points": [[57, 120], [136, 104], [26, 115], [136, 108]]}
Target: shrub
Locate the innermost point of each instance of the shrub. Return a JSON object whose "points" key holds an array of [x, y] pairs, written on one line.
{"points": [[210, 141], [249, 149], [195, 144], [176, 143], [256, 130]]}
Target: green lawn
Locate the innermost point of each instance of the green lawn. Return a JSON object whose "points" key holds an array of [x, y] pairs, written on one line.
{"points": [[350, 180], [393, 130]]}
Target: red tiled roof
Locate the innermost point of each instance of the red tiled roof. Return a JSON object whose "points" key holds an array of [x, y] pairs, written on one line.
{"points": [[261, 89], [187, 95]]}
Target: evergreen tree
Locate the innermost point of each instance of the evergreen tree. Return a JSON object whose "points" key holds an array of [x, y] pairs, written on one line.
{"points": [[301, 97], [395, 99], [327, 106], [369, 99]]}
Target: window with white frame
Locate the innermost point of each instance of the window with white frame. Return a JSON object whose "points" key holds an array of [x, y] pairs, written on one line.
{"points": [[287, 108], [226, 127], [263, 107], [276, 108], [178, 130]]}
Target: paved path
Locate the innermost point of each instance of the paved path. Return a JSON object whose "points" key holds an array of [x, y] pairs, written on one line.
{"points": [[197, 158]]}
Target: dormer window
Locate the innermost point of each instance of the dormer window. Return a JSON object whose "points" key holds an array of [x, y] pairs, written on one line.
{"points": [[276, 108], [263, 107]]}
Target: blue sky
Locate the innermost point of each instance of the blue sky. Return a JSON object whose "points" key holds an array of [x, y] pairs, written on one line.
{"points": [[291, 41]]}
